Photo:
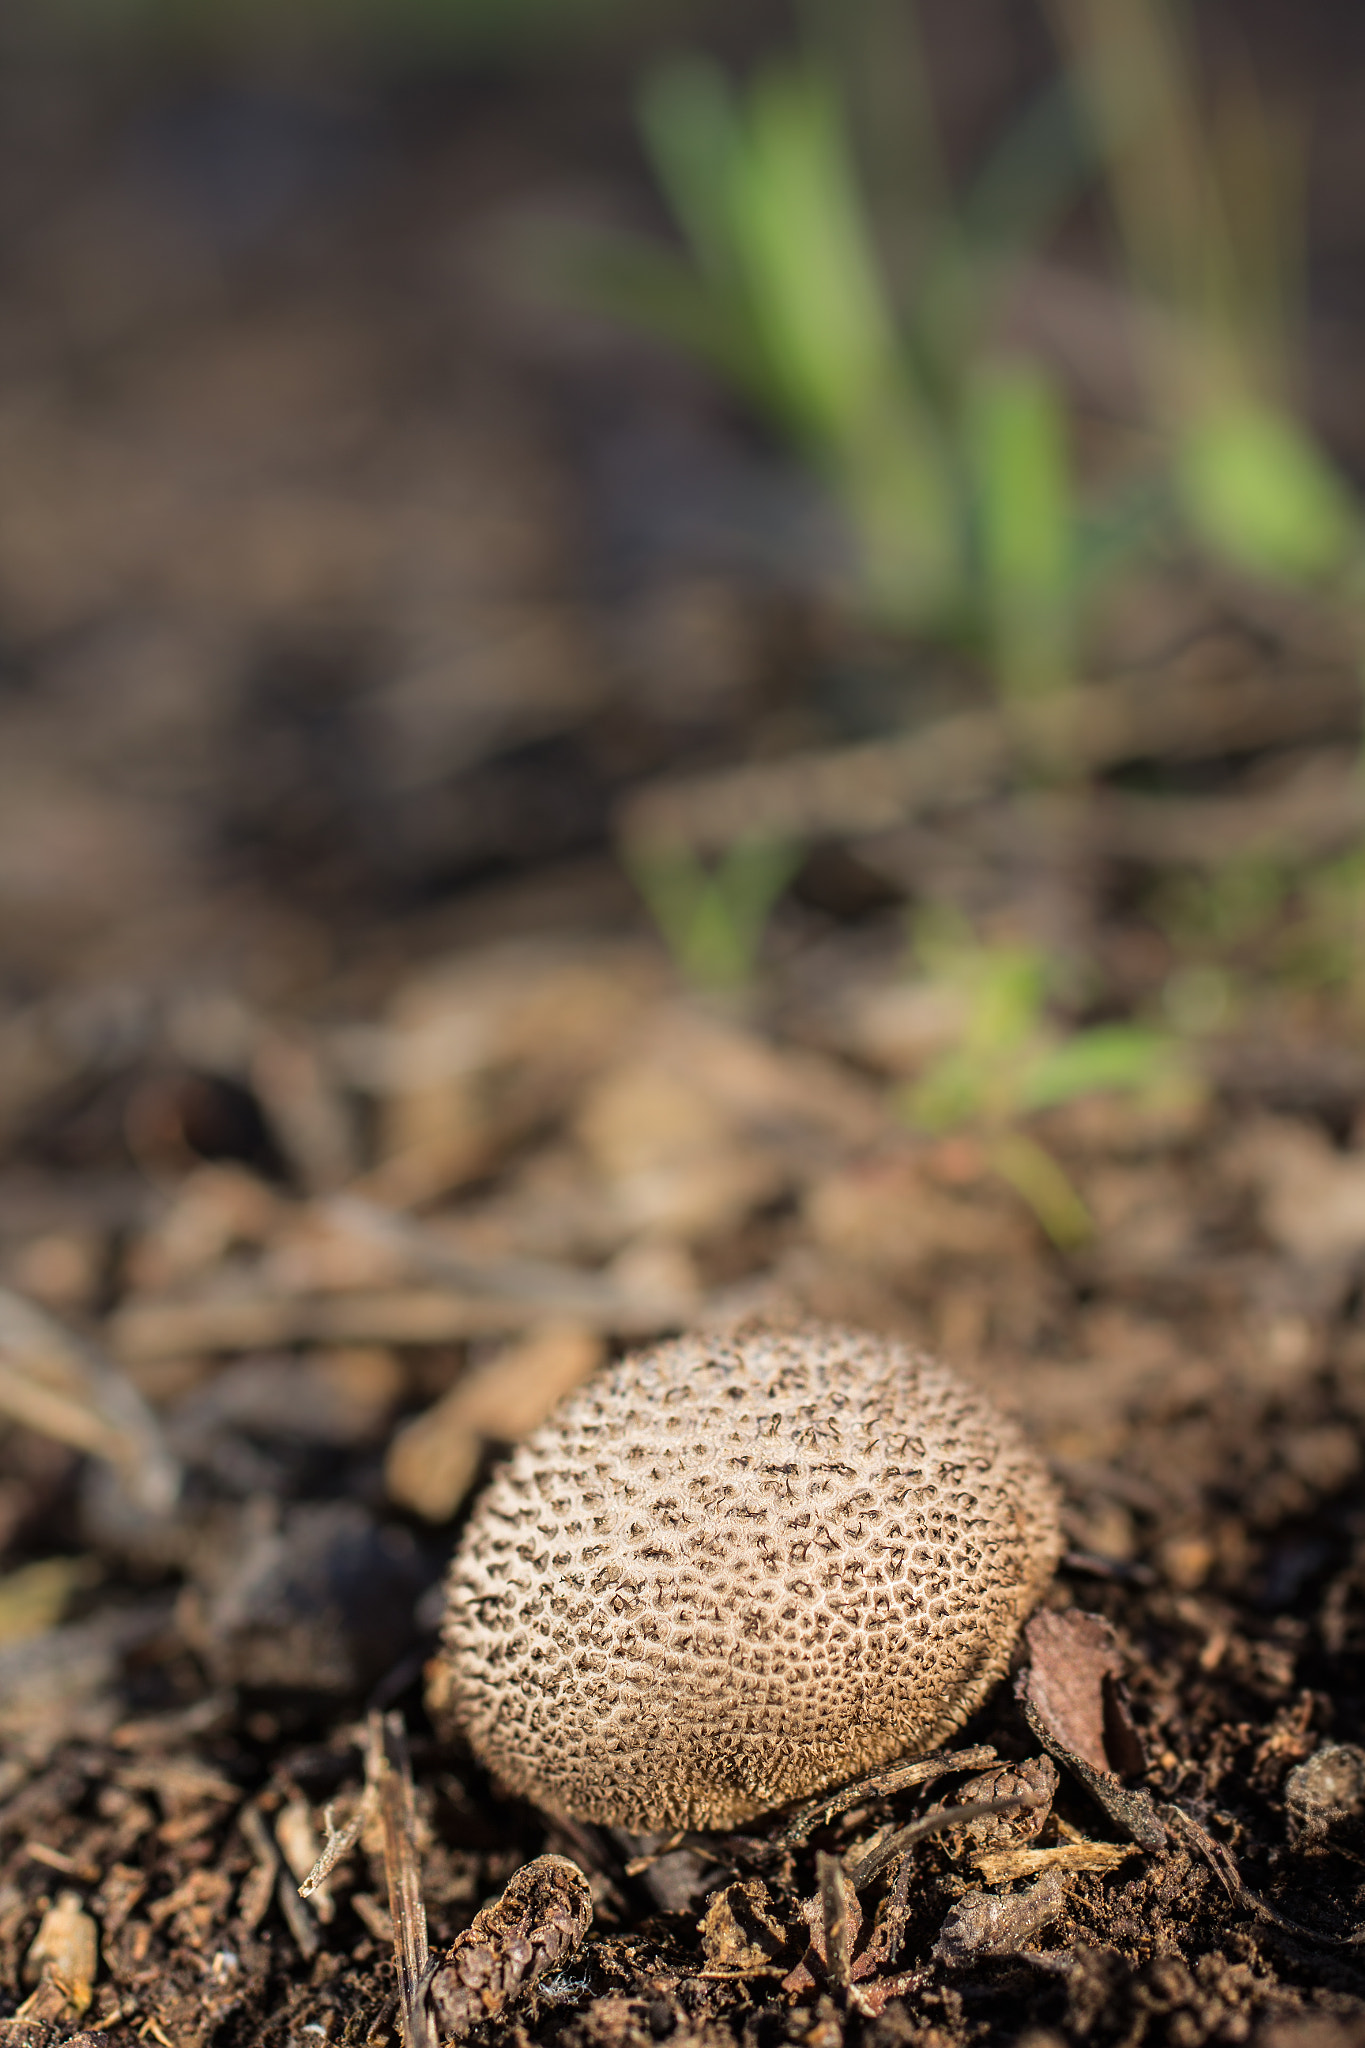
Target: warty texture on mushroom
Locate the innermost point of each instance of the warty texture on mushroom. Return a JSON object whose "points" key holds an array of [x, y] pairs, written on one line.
{"points": [[734, 1569]]}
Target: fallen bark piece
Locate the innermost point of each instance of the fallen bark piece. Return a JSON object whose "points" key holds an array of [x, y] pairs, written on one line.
{"points": [[535, 1926], [992, 1924], [999, 1866], [1073, 1700], [874, 1997]]}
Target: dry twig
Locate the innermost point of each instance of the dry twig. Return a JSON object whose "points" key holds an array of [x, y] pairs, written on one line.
{"points": [[817, 1812], [856, 791], [54, 1383], [936, 1822]]}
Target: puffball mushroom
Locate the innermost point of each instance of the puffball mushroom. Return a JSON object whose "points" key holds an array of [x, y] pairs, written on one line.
{"points": [[735, 1569]]}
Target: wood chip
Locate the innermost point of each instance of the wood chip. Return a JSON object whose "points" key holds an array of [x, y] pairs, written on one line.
{"points": [[433, 1459], [55, 1859], [64, 1958], [998, 1866]]}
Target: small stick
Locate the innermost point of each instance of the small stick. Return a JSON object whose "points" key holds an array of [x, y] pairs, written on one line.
{"points": [[64, 1387], [897, 1912], [830, 1877], [300, 1921], [340, 1841], [936, 1823], [253, 1901], [389, 1775], [897, 1778]]}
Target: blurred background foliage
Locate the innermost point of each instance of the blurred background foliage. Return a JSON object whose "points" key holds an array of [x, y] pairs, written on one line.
{"points": [[789, 205], [405, 33], [870, 336]]}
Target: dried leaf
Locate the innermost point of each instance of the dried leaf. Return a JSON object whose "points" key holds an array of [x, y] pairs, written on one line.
{"points": [[1070, 1657], [1072, 1699], [740, 1930]]}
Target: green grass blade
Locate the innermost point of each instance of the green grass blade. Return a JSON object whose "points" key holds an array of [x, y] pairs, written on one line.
{"points": [[1258, 492], [712, 919], [692, 130], [1042, 1183], [814, 282], [634, 280], [1026, 520], [1013, 204], [1105, 1060], [829, 337]]}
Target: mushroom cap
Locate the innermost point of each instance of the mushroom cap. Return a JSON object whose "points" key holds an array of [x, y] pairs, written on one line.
{"points": [[737, 1568]]}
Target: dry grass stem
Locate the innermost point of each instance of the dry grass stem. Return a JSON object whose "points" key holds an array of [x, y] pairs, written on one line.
{"points": [[389, 1776]]}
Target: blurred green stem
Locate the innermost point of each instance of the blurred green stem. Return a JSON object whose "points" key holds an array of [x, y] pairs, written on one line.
{"points": [[713, 918], [1017, 444], [1041, 1183]]}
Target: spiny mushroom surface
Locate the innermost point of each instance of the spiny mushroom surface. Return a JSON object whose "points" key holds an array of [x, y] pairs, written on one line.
{"points": [[735, 1569]]}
